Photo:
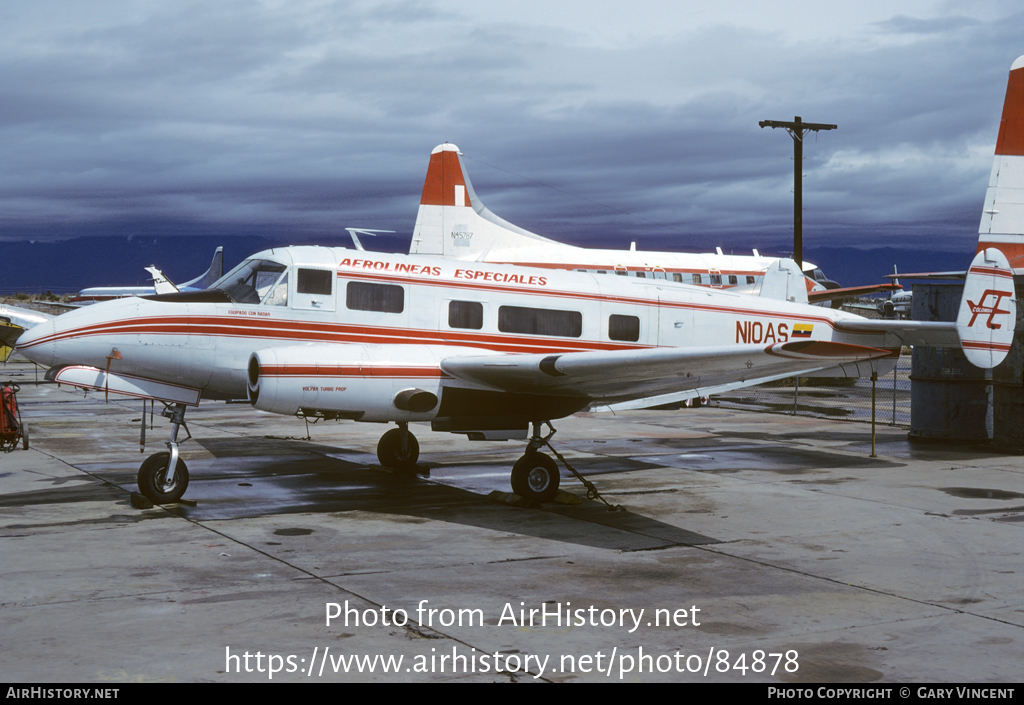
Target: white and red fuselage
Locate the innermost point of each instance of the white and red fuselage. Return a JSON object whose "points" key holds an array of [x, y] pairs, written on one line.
{"points": [[347, 330]]}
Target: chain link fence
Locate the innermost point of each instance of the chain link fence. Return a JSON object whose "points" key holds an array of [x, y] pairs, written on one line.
{"points": [[831, 397]]}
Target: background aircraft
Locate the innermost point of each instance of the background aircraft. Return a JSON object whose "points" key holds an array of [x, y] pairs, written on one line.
{"points": [[13, 322], [453, 222], [161, 285]]}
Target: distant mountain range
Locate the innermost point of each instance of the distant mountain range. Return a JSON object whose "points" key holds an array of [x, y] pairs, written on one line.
{"points": [[72, 265]]}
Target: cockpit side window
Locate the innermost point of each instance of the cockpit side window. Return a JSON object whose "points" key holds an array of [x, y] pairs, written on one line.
{"points": [[250, 281], [278, 295]]}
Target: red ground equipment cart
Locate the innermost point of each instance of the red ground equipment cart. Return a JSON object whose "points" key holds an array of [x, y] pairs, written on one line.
{"points": [[12, 428]]}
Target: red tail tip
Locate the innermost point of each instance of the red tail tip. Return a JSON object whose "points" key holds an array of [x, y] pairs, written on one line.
{"points": [[444, 185]]}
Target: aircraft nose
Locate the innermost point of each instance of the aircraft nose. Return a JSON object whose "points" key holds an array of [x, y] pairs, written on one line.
{"points": [[37, 343]]}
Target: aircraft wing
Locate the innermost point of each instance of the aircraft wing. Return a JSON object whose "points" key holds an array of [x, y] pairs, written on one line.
{"points": [[930, 275], [815, 297], [624, 375]]}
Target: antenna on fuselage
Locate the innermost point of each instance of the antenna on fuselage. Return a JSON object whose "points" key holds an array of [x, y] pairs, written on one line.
{"points": [[356, 232]]}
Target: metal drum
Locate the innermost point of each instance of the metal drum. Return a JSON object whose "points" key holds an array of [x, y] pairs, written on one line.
{"points": [[1008, 387], [949, 397]]}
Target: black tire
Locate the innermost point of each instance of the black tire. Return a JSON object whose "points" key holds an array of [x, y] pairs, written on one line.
{"points": [[535, 478], [151, 479], [391, 454]]}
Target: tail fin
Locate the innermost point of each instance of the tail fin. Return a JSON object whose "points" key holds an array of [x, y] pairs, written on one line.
{"points": [[988, 309], [207, 278], [452, 221], [161, 284], [1002, 220], [784, 281]]}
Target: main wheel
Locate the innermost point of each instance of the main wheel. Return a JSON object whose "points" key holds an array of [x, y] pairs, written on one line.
{"points": [[398, 449], [535, 477], [153, 482]]}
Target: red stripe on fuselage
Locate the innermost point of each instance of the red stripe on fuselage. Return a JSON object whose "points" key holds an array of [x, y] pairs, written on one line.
{"points": [[350, 371]]}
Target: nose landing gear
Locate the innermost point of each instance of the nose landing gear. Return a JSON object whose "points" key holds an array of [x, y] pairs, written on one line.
{"points": [[163, 477]]}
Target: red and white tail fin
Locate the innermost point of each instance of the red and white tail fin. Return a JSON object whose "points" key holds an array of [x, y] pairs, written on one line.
{"points": [[988, 310], [1002, 219], [452, 221]]}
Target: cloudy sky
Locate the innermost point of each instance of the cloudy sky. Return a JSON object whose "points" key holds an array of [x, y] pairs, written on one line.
{"points": [[595, 122]]}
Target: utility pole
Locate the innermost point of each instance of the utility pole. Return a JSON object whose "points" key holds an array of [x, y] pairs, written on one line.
{"points": [[797, 129]]}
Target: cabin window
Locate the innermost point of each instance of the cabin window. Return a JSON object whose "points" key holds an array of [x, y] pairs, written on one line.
{"points": [[716, 280], [641, 275], [602, 271], [621, 272], [624, 328], [733, 280], [696, 279], [539, 321], [314, 281], [466, 314], [750, 280], [386, 298], [677, 277]]}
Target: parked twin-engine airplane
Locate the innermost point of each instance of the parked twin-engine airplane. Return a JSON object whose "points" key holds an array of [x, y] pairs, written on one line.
{"points": [[490, 350], [480, 349], [453, 222]]}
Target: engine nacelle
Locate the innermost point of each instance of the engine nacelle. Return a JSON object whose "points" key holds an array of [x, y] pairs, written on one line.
{"points": [[362, 382]]}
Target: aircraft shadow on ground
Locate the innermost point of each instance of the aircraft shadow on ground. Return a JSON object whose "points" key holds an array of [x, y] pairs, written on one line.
{"points": [[240, 481]]}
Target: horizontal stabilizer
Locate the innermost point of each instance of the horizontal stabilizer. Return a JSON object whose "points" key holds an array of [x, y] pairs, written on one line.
{"points": [[988, 309]]}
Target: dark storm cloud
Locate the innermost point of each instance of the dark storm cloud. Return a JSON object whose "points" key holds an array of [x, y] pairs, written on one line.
{"points": [[309, 117]]}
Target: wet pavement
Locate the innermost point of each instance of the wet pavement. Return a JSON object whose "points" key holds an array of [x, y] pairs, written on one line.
{"points": [[746, 533]]}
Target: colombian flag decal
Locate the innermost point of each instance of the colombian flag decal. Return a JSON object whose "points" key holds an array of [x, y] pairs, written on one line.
{"points": [[802, 330]]}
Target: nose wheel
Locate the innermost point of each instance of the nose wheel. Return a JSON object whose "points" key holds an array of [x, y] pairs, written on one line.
{"points": [[154, 483], [163, 477]]}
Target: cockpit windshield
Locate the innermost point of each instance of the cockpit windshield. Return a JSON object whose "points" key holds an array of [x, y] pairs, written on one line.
{"points": [[250, 281]]}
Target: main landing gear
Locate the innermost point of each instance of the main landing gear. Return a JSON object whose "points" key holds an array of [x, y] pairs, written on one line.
{"points": [[163, 477], [535, 476], [398, 448]]}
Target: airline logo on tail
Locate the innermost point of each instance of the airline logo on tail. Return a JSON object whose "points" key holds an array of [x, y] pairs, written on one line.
{"points": [[992, 311]]}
